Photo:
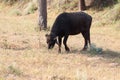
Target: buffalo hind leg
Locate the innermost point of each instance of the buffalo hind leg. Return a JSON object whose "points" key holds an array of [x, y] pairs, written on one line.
{"points": [[65, 44], [89, 39], [85, 35]]}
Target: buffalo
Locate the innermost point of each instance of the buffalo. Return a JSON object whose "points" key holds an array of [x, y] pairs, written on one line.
{"points": [[69, 24]]}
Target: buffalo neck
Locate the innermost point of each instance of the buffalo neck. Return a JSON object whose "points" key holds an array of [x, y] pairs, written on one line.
{"points": [[54, 31], [53, 35]]}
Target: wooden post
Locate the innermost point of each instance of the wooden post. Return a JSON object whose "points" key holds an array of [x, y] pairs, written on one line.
{"points": [[42, 14], [82, 5]]}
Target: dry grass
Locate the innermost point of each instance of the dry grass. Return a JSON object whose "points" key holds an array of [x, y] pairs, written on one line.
{"points": [[24, 57]]}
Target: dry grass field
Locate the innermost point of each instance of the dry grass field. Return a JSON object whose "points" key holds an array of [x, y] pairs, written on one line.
{"points": [[24, 54]]}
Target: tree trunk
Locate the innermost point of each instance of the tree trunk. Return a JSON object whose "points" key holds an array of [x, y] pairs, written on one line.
{"points": [[42, 14], [82, 5]]}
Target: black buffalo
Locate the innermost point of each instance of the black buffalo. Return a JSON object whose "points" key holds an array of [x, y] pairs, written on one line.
{"points": [[69, 24]]}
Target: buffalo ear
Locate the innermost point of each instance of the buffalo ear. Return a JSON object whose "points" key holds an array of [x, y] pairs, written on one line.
{"points": [[46, 35]]}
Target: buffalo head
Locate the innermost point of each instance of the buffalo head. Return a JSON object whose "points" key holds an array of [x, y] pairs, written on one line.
{"points": [[50, 40]]}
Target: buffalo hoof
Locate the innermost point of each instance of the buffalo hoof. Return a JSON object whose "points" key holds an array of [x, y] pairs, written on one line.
{"points": [[59, 51], [85, 48], [67, 51]]}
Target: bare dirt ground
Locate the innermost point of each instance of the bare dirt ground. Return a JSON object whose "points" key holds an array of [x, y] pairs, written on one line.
{"points": [[24, 54]]}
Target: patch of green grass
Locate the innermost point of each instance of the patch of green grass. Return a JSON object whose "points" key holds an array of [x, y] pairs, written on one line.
{"points": [[95, 50], [14, 70], [31, 8], [16, 12]]}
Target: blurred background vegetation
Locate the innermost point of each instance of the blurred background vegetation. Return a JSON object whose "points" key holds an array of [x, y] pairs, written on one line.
{"points": [[25, 7]]}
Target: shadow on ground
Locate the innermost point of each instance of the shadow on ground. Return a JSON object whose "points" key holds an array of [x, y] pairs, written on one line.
{"points": [[107, 54]]}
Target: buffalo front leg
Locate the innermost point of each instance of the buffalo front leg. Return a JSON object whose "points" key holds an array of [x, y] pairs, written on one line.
{"points": [[59, 40], [65, 44]]}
